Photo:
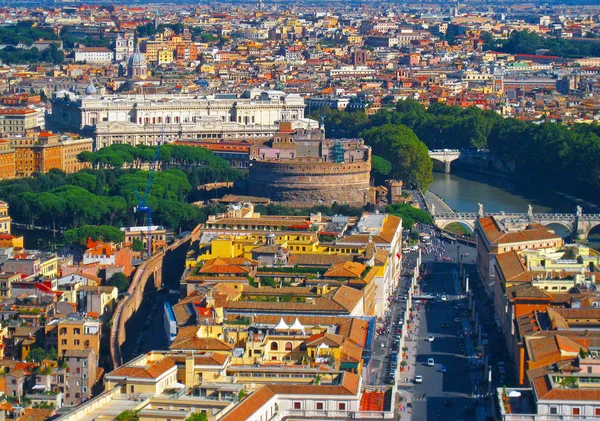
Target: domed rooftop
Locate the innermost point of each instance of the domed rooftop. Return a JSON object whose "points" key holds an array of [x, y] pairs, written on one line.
{"points": [[91, 90], [137, 59], [137, 67]]}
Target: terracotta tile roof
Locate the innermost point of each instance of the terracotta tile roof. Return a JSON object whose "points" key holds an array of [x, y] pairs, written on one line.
{"points": [[355, 330], [543, 348], [389, 228], [252, 403], [329, 339], [346, 297], [545, 390], [510, 264], [36, 414], [346, 270], [381, 256], [305, 320], [342, 300], [318, 259], [151, 371], [527, 291], [187, 338], [220, 266], [350, 386]]}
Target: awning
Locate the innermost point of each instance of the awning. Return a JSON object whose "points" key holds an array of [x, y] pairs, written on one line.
{"points": [[39, 387]]}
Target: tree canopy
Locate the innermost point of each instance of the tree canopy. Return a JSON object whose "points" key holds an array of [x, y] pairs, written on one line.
{"points": [[106, 195], [409, 214], [410, 157], [551, 153], [120, 281], [95, 232]]}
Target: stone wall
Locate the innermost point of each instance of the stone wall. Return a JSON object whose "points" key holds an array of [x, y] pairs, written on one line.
{"points": [[310, 182], [151, 269]]}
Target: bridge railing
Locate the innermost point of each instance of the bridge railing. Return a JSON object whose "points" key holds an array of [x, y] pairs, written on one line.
{"points": [[506, 215]]}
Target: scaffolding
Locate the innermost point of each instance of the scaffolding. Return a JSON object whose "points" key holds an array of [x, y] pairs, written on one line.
{"points": [[338, 151]]}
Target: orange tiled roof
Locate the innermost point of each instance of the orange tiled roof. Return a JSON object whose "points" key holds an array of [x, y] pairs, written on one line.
{"points": [[152, 371], [346, 270]]}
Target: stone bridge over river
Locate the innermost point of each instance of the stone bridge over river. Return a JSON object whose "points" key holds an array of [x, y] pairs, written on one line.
{"points": [[578, 224]]}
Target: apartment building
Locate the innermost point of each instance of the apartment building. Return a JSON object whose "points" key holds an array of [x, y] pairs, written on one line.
{"points": [[17, 122], [45, 151], [94, 55], [81, 375], [6, 280], [75, 333]]}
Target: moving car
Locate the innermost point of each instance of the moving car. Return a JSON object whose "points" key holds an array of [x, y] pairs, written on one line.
{"points": [[419, 379], [443, 369], [430, 338], [444, 298], [430, 362]]}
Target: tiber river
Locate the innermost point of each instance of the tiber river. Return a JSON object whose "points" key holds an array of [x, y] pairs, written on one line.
{"points": [[463, 190]]}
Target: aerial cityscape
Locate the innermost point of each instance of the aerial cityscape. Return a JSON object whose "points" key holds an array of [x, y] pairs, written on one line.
{"points": [[290, 211]]}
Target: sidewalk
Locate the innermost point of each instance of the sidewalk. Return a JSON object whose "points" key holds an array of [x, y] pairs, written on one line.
{"points": [[407, 377]]}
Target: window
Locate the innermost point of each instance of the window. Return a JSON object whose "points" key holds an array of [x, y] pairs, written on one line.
{"points": [[576, 410], [597, 411], [76, 341], [297, 405], [319, 405], [288, 346], [342, 406], [63, 342], [274, 346]]}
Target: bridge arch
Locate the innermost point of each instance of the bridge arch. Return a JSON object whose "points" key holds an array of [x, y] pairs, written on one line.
{"points": [[467, 224], [567, 226], [593, 227]]}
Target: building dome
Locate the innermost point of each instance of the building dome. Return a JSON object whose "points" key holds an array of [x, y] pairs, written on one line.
{"points": [[91, 90], [136, 65]]}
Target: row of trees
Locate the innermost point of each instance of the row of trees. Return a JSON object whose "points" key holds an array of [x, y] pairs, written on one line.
{"points": [[564, 156], [24, 33], [12, 55], [525, 42], [200, 163], [106, 196]]}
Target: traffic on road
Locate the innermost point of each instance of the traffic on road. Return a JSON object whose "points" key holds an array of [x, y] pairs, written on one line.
{"points": [[441, 372]]}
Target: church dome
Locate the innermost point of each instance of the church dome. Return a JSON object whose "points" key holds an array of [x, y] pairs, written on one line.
{"points": [[137, 59], [91, 90], [137, 68]]}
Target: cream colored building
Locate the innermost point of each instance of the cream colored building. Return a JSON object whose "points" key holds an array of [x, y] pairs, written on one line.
{"points": [[139, 119], [18, 121], [150, 373]]}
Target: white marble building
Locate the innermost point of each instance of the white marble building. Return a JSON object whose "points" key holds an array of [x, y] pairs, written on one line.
{"points": [[138, 119]]}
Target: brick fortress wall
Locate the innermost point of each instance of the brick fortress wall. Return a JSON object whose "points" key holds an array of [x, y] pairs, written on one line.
{"points": [[309, 182]]}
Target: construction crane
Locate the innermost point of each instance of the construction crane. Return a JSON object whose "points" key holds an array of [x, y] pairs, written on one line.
{"points": [[142, 201]]}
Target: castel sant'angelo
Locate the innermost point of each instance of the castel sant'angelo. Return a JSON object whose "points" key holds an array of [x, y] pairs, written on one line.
{"points": [[302, 166]]}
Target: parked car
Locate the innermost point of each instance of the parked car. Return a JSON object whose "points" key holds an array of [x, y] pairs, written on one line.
{"points": [[430, 338], [443, 369], [419, 379], [430, 362]]}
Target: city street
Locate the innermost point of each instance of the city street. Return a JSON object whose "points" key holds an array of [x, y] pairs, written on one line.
{"points": [[441, 393], [455, 394]]}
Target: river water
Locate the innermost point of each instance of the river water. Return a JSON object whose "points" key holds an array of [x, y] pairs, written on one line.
{"points": [[463, 190]]}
